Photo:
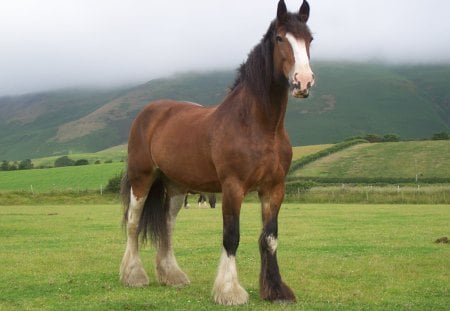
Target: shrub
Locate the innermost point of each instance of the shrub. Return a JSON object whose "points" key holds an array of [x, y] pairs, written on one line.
{"points": [[4, 166], [440, 136], [391, 138], [373, 138], [64, 161], [25, 165], [81, 162], [114, 183]]}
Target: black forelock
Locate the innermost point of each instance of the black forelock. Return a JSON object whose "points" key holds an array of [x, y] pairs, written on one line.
{"points": [[297, 28]]}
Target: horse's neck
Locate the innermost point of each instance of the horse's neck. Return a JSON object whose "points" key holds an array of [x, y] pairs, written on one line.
{"points": [[277, 107], [268, 112]]}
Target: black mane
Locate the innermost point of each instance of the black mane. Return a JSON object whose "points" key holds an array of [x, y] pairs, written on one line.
{"points": [[257, 71]]}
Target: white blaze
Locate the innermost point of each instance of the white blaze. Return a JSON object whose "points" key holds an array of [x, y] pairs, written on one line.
{"points": [[301, 67]]}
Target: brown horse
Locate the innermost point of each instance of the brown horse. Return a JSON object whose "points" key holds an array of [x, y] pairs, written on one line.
{"points": [[239, 146]]}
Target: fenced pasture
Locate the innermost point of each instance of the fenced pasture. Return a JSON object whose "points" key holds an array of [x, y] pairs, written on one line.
{"points": [[334, 256], [72, 178], [388, 194]]}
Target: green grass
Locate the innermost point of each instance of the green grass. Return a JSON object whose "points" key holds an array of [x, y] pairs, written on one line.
{"points": [[335, 257], [61, 178], [388, 194], [301, 151], [402, 159]]}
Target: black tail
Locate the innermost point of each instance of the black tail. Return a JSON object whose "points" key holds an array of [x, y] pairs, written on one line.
{"points": [[153, 221]]}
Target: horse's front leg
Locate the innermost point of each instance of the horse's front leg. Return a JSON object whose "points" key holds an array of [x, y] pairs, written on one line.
{"points": [[272, 287], [227, 289]]}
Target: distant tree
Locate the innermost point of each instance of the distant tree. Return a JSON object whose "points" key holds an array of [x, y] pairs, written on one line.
{"points": [[4, 166], [441, 136], [81, 162], [25, 165], [97, 162], [108, 161], [391, 138], [13, 167], [64, 161]]}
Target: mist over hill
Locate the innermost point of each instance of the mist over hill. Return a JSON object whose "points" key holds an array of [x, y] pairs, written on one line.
{"points": [[348, 99]]}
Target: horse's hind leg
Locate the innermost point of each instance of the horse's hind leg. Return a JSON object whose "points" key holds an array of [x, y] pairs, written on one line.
{"points": [[132, 272], [167, 269]]}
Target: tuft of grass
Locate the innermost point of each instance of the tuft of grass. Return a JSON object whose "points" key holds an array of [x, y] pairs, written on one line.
{"points": [[335, 257]]}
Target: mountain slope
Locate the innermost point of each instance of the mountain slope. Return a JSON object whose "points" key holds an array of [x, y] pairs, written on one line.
{"points": [[348, 99], [355, 99]]}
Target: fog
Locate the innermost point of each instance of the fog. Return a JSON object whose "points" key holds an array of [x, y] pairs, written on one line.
{"points": [[47, 44]]}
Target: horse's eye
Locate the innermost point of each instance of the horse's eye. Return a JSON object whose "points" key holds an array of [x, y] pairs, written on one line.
{"points": [[279, 39]]}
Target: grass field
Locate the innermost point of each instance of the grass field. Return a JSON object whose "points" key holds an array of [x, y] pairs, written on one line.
{"points": [[402, 159], [60, 178], [335, 257], [301, 151]]}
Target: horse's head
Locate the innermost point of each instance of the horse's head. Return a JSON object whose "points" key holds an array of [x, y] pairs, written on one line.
{"points": [[291, 39]]}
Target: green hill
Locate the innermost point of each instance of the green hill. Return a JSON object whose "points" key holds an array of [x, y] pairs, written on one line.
{"points": [[401, 160], [349, 99]]}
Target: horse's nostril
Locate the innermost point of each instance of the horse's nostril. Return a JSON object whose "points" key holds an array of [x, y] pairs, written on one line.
{"points": [[309, 85]]}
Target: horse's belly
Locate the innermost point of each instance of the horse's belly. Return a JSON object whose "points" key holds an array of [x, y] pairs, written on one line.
{"points": [[182, 152]]}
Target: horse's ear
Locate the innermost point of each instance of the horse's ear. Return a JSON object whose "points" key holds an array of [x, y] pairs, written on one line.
{"points": [[304, 12], [282, 11]]}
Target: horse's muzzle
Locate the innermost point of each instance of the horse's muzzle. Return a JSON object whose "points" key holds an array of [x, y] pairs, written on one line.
{"points": [[297, 93]]}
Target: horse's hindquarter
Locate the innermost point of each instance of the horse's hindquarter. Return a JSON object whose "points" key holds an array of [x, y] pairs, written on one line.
{"points": [[179, 145]]}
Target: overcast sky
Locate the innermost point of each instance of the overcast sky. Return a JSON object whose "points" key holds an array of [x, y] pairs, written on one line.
{"points": [[47, 44]]}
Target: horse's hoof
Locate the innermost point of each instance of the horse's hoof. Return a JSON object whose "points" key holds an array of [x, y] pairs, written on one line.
{"points": [[133, 275], [231, 296], [278, 294], [177, 278], [135, 278]]}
